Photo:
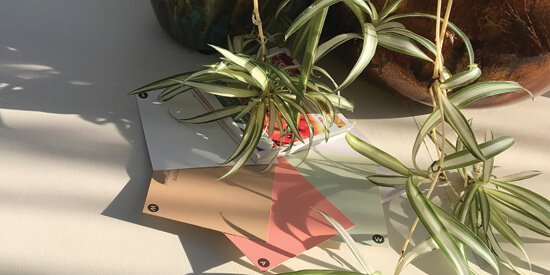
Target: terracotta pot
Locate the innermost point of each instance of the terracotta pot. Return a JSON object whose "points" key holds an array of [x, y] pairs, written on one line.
{"points": [[511, 41]]}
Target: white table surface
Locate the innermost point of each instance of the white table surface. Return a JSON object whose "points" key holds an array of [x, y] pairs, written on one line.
{"points": [[74, 167]]}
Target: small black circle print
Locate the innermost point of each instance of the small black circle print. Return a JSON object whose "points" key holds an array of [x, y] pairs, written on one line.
{"points": [[153, 207], [263, 262], [143, 95], [378, 238]]}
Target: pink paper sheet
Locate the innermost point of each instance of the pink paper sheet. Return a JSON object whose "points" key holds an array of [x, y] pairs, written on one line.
{"points": [[294, 226]]}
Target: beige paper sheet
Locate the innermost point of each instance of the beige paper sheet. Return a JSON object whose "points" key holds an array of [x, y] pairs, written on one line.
{"points": [[238, 205]]}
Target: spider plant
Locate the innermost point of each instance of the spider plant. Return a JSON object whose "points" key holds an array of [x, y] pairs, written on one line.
{"points": [[480, 211], [268, 93]]}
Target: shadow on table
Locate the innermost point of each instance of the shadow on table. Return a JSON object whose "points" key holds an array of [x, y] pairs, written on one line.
{"points": [[204, 248]]}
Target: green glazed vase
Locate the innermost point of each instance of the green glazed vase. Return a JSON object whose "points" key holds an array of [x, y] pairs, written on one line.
{"points": [[197, 23]]}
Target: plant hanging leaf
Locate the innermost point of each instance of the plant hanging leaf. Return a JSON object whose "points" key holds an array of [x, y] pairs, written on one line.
{"points": [[436, 229], [488, 165], [257, 134], [461, 99], [452, 26], [402, 45], [256, 72], [474, 92], [315, 8], [370, 41], [311, 48], [211, 116], [520, 176], [461, 126], [163, 83], [281, 7], [348, 240], [464, 158], [416, 252], [442, 143], [395, 181], [389, 9], [461, 233], [520, 217], [462, 79], [300, 40], [324, 272], [173, 91], [333, 43], [429, 45], [521, 203], [377, 155], [357, 11], [534, 198], [500, 253], [222, 90], [509, 233]]}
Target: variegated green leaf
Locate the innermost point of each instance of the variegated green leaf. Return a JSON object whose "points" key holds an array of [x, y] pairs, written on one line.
{"points": [[395, 181], [377, 155], [251, 147], [402, 45], [388, 181], [536, 199], [429, 45], [443, 143], [503, 258], [334, 42], [246, 140], [521, 203], [324, 272], [348, 240], [474, 92], [163, 83], [462, 79], [520, 176], [509, 233], [287, 80], [341, 102], [416, 252], [464, 158], [519, 217], [388, 26], [436, 229], [256, 72], [390, 8], [484, 208], [326, 74], [488, 165], [467, 202], [301, 111], [452, 26], [300, 40], [222, 90], [461, 126], [315, 8], [464, 235], [357, 11], [212, 116], [361, 5], [251, 104], [311, 48], [173, 91], [282, 5], [370, 41], [287, 116]]}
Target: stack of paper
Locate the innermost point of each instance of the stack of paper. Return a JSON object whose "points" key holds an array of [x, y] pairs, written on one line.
{"points": [[268, 216]]}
